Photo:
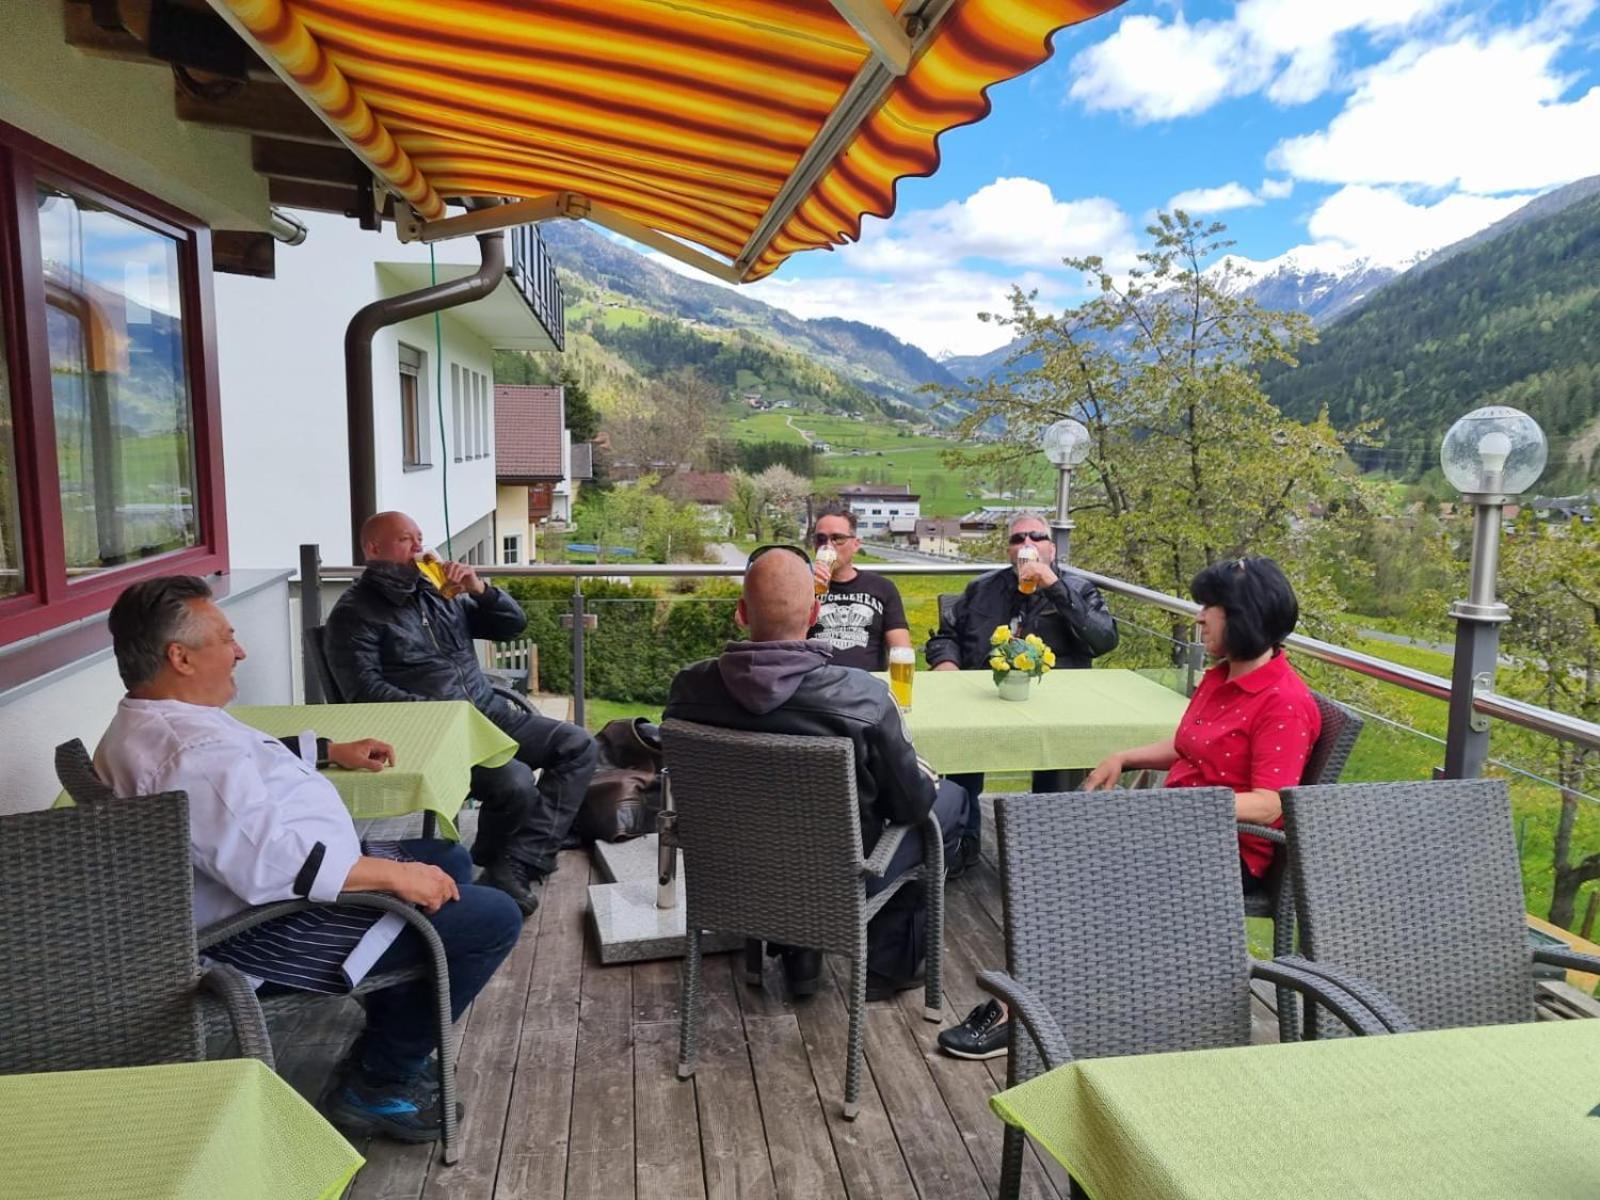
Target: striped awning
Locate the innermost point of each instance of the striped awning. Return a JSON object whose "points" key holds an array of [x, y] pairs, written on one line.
{"points": [[748, 128]]}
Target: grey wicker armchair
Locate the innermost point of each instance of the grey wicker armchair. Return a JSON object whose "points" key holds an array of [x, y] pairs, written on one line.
{"points": [[1414, 890], [75, 770], [1329, 753], [770, 828], [1084, 931], [97, 938]]}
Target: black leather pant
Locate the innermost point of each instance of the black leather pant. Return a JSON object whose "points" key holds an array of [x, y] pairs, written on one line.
{"points": [[527, 821]]}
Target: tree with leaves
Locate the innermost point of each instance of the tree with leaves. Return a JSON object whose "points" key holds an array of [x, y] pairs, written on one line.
{"points": [[783, 497], [1550, 579], [1189, 461]]}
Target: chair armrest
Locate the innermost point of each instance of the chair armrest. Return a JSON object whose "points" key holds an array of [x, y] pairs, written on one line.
{"points": [[1362, 1008], [1035, 1017], [233, 991], [1275, 836], [520, 702], [249, 918], [1572, 960], [888, 842]]}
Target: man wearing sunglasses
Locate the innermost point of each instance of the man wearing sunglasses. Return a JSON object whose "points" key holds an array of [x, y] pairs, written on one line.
{"points": [[860, 616], [781, 682], [1067, 611]]}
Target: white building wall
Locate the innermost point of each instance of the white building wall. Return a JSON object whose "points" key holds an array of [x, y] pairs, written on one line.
{"points": [[280, 347]]}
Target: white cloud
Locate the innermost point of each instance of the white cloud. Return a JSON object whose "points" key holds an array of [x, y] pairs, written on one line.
{"points": [[1157, 70], [1382, 225], [1198, 201], [1484, 114], [1275, 189], [1015, 221]]}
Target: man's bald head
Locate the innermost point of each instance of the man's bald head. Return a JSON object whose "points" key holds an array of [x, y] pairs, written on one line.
{"points": [[779, 602], [391, 537]]}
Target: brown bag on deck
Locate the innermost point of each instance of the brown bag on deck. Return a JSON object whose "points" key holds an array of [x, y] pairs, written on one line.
{"points": [[625, 793]]}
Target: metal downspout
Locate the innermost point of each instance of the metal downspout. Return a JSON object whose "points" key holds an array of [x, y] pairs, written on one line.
{"points": [[362, 427]]}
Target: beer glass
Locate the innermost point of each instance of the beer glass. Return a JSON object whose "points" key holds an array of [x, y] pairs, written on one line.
{"points": [[828, 556], [902, 665], [433, 571], [1026, 555]]}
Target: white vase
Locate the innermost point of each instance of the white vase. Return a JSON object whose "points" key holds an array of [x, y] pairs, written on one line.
{"points": [[1014, 686]]}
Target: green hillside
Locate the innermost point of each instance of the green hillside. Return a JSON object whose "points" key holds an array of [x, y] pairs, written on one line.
{"points": [[1513, 320]]}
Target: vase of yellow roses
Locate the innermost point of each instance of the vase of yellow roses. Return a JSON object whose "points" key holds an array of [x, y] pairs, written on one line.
{"points": [[1016, 662]]}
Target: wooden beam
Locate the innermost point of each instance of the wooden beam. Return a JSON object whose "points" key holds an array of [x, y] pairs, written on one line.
{"points": [[306, 162], [880, 30], [243, 252], [131, 42], [319, 197], [269, 109]]}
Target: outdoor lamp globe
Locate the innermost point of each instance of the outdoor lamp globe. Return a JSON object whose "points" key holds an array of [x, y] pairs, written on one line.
{"points": [[1493, 451], [1066, 443]]}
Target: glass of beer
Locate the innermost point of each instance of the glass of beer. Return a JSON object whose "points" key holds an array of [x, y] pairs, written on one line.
{"points": [[828, 556], [433, 571], [902, 665], [1026, 555]]}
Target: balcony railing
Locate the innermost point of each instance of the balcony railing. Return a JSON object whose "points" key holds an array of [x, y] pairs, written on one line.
{"points": [[534, 273]]}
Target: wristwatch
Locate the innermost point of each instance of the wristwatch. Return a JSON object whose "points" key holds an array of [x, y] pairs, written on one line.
{"points": [[323, 761]]}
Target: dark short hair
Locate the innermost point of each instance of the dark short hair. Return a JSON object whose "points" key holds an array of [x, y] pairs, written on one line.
{"points": [[1255, 596], [834, 510], [147, 618]]}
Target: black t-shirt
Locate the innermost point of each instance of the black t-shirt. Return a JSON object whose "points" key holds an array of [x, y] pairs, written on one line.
{"points": [[854, 618]]}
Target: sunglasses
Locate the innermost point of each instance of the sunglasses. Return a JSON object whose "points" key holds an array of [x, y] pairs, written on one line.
{"points": [[838, 539], [760, 550], [1033, 535]]}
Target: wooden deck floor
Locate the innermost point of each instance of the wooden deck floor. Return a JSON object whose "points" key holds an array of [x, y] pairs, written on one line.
{"points": [[567, 1073]]}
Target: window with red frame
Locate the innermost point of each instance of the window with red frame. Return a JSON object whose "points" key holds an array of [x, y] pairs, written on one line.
{"points": [[109, 457]]}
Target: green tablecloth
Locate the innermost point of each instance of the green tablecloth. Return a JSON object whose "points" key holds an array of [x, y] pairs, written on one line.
{"points": [[436, 745], [229, 1130], [1074, 719], [1460, 1114]]}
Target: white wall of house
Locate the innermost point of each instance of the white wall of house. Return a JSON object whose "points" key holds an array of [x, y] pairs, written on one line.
{"points": [[874, 513], [78, 698], [511, 521], [280, 345]]}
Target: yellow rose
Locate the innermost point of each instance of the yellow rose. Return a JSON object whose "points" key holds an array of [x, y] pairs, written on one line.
{"points": [[1000, 636], [1034, 640], [999, 664], [1049, 658], [1024, 663]]}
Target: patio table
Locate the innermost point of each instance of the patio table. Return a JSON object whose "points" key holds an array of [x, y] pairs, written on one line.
{"points": [[436, 745], [1074, 719], [1495, 1111], [188, 1130]]}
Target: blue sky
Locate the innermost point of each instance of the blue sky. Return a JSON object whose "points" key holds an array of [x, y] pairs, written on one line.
{"points": [[1376, 129]]}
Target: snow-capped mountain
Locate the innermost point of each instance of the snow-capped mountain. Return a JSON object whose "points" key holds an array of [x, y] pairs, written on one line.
{"points": [[1321, 282]]}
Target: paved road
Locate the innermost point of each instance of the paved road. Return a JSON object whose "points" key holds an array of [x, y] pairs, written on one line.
{"points": [[729, 554]]}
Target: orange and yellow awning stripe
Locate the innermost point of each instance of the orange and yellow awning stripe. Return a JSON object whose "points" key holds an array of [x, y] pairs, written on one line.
{"points": [[687, 116]]}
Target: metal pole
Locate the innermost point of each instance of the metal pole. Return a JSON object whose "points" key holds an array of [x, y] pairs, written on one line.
{"points": [[1478, 620], [1062, 526], [310, 618], [577, 652]]}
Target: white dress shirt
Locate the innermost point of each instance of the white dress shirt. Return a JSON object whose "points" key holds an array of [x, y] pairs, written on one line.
{"points": [[263, 824]]}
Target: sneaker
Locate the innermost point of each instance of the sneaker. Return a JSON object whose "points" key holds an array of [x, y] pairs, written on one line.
{"points": [[966, 855], [405, 1110], [516, 881], [986, 1033]]}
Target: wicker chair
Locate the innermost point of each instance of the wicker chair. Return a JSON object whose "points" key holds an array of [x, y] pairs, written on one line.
{"points": [[770, 828], [75, 769], [1084, 930], [1329, 753], [1414, 889], [97, 937]]}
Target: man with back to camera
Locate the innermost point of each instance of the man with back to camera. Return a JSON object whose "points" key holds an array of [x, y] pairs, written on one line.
{"points": [[394, 636], [1067, 611], [860, 615], [780, 682], [264, 825]]}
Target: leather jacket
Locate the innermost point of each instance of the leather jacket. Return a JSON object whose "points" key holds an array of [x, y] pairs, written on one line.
{"points": [[1070, 615], [822, 700], [393, 637]]}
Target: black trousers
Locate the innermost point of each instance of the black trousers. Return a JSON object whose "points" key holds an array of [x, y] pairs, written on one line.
{"points": [[527, 821], [1044, 782], [897, 936]]}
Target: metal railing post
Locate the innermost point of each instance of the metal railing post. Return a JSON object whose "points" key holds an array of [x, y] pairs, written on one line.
{"points": [[310, 617], [1194, 661], [577, 652]]}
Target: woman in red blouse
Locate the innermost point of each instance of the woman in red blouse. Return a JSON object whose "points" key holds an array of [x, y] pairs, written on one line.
{"points": [[1252, 721]]}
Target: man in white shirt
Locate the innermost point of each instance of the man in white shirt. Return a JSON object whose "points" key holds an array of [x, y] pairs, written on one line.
{"points": [[264, 825]]}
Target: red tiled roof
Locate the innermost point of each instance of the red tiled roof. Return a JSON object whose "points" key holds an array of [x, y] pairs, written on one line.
{"points": [[527, 431]]}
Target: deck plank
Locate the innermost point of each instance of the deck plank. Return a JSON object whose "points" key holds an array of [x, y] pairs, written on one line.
{"points": [[733, 1141], [600, 1150], [666, 1126], [798, 1142], [533, 1158]]}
